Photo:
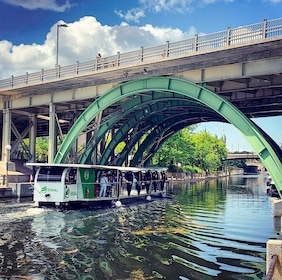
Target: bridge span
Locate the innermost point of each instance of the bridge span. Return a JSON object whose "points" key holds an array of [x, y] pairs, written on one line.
{"points": [[232, 156], [149, 94]]}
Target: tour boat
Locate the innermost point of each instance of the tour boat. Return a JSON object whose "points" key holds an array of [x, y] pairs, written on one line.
{"points": [[78, 185]]}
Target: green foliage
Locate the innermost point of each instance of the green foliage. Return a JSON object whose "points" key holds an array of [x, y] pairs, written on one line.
{"points": [[42, 149], [193, 152]]}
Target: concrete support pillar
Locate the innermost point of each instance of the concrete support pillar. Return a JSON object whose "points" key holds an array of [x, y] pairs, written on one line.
{"points": [[6, 134], [32, 137], [52, 147], [277, 208]]}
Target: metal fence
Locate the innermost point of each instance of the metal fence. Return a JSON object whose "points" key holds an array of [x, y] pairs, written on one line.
{"points": [[237, 36], [274, 261]]}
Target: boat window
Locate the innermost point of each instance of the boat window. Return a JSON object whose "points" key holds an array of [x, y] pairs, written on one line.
{"points": [[71, 176], [50, 174]]}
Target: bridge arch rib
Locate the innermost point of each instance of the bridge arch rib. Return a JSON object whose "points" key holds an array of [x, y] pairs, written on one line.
{"points": [[200, 94], [156, 117]]}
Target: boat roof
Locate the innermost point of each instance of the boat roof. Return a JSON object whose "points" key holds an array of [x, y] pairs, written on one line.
{"points": [[95, 166]]}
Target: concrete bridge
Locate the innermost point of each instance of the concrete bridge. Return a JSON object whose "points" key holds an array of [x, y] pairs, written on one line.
{"points": [[232, 156], [142, 97]]}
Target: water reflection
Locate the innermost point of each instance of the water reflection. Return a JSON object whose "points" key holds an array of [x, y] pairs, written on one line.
{"points": [[211, 230]]}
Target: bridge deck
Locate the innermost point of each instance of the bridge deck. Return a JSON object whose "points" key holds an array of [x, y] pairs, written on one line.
{"points": [[242, 65]]}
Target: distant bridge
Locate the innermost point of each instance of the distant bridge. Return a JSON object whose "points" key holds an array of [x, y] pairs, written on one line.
{"points": [[232, 156]]}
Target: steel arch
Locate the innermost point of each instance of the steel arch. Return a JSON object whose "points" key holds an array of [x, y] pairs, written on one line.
{"points": [[167, 127], [152, 117], [160, 124], [170, 84], [138, 104]]}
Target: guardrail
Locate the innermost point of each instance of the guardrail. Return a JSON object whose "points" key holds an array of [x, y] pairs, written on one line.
{"points": [[240, 35], [274, 260]]}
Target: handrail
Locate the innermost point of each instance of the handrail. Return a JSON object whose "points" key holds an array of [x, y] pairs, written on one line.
{"points": [[240, 35], [274, 260]]}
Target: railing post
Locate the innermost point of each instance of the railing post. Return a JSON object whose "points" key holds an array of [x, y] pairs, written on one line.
{"points": [[96, 65], [273, 259], [26, 78], [58, 71], [196, 42], [228, 34], [271, 268], [141, 54], [118, 59], [77, 67], [42, 75], [264, 29], [166, 54]]}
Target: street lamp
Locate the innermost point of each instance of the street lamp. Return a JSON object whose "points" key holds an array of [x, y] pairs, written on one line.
{"points": [[57, 54], [8, 149]]}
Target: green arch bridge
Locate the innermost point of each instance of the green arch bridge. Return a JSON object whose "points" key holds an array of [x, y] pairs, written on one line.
{"points": [[151, 112]]}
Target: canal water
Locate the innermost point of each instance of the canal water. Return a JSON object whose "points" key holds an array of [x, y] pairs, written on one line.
{"points": [[210, 230]]}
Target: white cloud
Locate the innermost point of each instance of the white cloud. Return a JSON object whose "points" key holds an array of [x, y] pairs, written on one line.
{"points": [[131, 15], [158, 6], [81, 41], [170, 6], [40, 4]]}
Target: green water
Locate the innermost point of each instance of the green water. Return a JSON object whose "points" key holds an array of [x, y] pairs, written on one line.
{"points": [[210, 230]]}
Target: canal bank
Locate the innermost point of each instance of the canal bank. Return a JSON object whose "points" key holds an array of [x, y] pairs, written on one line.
{"points": [[16, 190], [18, 184]]}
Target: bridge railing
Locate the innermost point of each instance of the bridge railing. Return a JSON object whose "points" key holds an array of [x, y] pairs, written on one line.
{"points": [[240, 35]]}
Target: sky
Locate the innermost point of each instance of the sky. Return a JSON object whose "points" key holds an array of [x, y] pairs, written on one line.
{"points": [[28, 33]]}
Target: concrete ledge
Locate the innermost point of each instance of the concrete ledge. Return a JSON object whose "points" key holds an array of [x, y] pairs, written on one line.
{"points": [[274, 247], [16, 190], [277, 207]]}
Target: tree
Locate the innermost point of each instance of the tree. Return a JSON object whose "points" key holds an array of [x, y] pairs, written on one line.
{"points": [[176, 149], [199, 150], [209, 151], [42, 148]]}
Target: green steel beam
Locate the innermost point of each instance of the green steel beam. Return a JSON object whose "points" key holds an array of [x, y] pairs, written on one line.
{"points": [[137, 105], [161, 124], [166, 127], [125, 108], [180, 87], [154, 115]]}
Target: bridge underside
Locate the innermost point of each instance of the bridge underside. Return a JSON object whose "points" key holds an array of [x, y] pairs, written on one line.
{"points": [[145, 112]]}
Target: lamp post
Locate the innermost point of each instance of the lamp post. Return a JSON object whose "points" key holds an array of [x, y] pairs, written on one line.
{"points": [[8, 149], [57, 53]]}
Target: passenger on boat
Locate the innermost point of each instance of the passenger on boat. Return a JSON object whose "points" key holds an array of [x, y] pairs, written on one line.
{"points": [[163, 180], [148, 179], [134, 183], [129, 179], [103, 185], [138, 178], [155, 178]]}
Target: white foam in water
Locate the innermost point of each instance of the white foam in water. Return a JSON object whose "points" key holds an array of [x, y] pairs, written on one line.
{"points": [[33, 211]]}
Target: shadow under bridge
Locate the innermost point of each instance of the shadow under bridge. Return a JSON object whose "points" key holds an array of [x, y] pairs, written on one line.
{"points": [[152, 109]]}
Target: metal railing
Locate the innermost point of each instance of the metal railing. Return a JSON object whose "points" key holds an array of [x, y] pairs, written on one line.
{"points": [[229, 37], [274, 260]]}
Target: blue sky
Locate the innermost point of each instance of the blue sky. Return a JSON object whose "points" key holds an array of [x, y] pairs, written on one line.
{"points": [[28, 34]]}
